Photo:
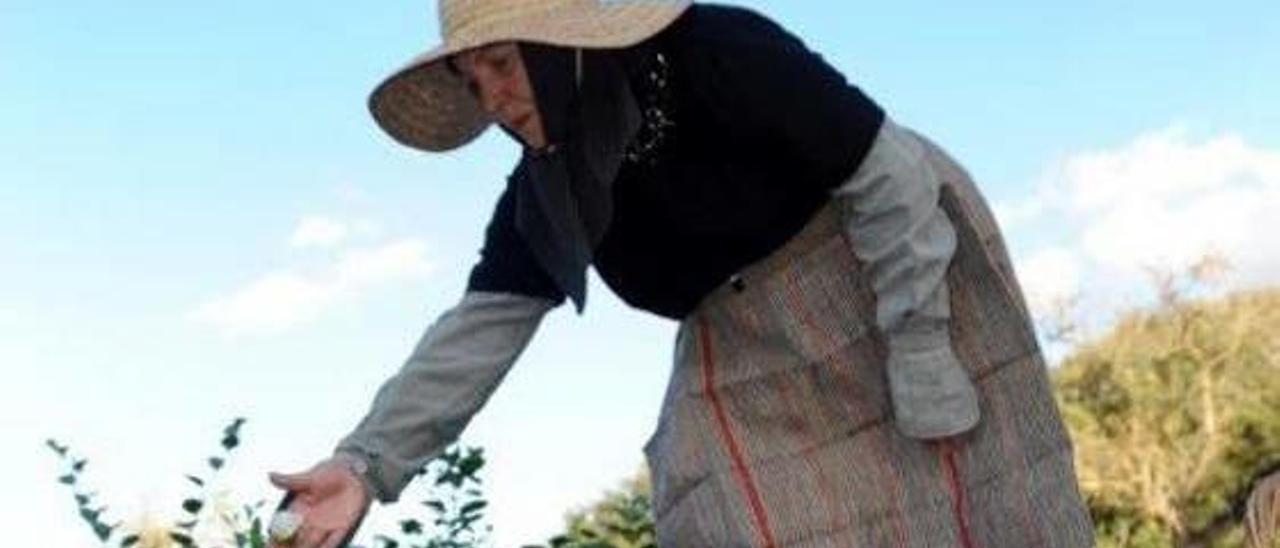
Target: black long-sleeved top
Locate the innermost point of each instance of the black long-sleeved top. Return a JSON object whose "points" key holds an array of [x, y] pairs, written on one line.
{"points": [[746, 133]]}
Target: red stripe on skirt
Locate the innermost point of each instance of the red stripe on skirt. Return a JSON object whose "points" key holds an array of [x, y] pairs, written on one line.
{"points": [[795, 306], [808, 444], [738, 464], [949, 466]]}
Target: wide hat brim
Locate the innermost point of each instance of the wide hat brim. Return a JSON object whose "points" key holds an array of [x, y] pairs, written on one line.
{"points": [[426, 106]]}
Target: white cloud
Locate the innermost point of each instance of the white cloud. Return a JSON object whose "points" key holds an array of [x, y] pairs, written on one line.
{"points": [[388, 263], [366, 228], [282, 300], [272, 303], [1162, 201], [1168, 200], [1014, 215], [319, 232], [1050, 278]]}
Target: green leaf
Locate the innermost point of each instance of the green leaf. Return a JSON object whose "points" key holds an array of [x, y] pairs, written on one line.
{"points": [[230, 441], [216, 462], [128, 541], [78, 466], [465, 521], [187, 525], [473, 506], [256, 538], [195, 480], [192, 506], [182, 539], [68, 479], [58, 448], [450, 478], [102, 531], [233, 429], [90, 515], [82, 500], [411, 527], [435, 505]]}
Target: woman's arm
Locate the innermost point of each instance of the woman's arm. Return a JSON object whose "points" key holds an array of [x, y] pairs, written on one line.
{"points": [[905, 240], [454, 369], [458, 363], [772, 87]]}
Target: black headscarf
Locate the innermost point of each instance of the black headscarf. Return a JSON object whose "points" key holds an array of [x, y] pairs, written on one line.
{"points": [[565, 202]]}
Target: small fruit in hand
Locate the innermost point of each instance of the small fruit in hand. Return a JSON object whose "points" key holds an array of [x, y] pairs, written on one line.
{"points": [[284, 526]]}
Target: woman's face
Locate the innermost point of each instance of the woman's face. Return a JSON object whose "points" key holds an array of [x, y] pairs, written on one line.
{"points": [[496, 76]]}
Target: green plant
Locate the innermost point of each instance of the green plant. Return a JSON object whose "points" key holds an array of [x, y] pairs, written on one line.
{"points": [[244, 522], [251, 536], [86, 506], [457, 504], [455, 511]]}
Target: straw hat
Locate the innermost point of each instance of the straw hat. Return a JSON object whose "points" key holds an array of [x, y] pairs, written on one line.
{"points": [[426, 106]]}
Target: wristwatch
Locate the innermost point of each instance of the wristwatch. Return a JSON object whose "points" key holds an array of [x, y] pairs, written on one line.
{"points": [[356, 464], [360, 467]]}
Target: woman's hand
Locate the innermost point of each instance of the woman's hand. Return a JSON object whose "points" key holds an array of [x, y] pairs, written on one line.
{"points": [[331, 501]]}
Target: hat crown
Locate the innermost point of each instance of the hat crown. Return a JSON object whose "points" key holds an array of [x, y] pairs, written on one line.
{"points": [[470, 22]]}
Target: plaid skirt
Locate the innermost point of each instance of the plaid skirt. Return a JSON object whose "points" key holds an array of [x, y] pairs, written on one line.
{"points": [[776, 429]]}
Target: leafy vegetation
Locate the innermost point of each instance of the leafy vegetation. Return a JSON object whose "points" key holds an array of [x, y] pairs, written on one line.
{"points": [[244, 522], [455, 512], [1175, 415], [458, 505], [622, 519]]}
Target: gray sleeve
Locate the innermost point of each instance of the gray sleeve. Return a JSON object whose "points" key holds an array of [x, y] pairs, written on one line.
{"points": [[896, 227], [451, 373]]}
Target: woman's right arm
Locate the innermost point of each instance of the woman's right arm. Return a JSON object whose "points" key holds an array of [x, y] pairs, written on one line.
{"points": [[451, 373], [459, 361]]}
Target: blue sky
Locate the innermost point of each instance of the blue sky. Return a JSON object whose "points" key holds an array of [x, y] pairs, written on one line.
{"points": [[199, 220]]}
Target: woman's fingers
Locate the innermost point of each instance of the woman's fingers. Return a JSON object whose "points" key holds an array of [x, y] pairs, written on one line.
{"points": [[291, 482], [333, 539], [310, 537], [318, 538]]}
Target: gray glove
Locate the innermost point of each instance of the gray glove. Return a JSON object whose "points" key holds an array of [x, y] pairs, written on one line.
{"points": [[932, 394], [896, 227]]}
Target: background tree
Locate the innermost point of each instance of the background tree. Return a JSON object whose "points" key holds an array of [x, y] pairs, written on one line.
{"points": [[621, 519], [1175, 414]]}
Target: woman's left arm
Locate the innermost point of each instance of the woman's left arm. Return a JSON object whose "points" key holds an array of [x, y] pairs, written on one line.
{"points": [[906, 242], [772, 87]]}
